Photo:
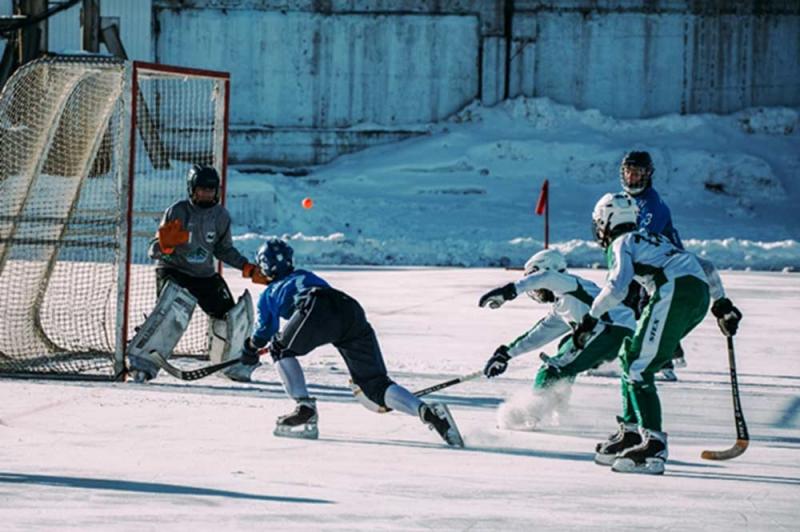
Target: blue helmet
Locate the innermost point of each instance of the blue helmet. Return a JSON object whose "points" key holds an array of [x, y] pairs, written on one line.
{"points": [[274, 257]]}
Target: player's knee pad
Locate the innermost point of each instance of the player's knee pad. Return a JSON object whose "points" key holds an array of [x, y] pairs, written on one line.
{"points": [[226, 336], [371, 393], [163, 328], [277, 350]]}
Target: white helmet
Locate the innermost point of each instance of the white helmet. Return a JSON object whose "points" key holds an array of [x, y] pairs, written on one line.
{"points": [[613, 215], [546, 260]]}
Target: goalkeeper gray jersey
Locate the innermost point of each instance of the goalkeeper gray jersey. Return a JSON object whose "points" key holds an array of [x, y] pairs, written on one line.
{"points": [[209, 238], [574, 296]]}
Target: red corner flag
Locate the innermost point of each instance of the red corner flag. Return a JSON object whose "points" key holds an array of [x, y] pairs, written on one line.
{"points": [[541, 204]]}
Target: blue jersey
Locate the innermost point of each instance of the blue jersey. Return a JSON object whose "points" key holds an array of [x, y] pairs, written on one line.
{"points": [[278, 300], [654, 216]]}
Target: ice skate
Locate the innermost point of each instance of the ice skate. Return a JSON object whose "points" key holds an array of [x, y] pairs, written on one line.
{"points": [[240, 372], [667, 375], [140, 376], [437, 416], [143, 368], [649, 457], [302, 423], [626, 437]]}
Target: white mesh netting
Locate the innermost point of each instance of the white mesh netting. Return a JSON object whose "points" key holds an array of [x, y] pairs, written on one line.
{"points": [[65, 147]]}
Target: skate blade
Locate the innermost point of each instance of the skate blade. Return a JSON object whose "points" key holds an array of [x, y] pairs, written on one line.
{"points": [[652, 466], [605, 459], [302, 432], [453, 436]]}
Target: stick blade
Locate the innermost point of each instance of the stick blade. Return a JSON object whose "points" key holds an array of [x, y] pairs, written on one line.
{"points": [[737, 450]]}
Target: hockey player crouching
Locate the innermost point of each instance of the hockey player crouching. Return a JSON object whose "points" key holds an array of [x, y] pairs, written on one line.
{"points": [[193, 232], [547, 281], [316, 315], [679, 290]]}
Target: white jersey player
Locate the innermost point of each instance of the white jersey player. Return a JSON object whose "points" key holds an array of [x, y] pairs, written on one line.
{"points": [[570, 296], [679, 295]]}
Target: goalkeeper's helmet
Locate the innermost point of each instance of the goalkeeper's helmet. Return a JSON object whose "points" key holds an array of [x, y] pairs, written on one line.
{"points": [[636, 172], [203, 177], [274, 258], [546, 260], [612, 216]]}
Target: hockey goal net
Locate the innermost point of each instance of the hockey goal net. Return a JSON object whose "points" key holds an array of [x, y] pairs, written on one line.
{"points": [[92, 151]]}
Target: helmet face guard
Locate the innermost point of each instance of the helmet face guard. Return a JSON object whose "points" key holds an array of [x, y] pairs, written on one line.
{"points": [[206, 177], [598, 232], [636, 172], [275, 258], [544, 261], [614, 214]]}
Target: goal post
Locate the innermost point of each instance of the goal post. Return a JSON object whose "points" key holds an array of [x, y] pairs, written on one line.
{"points": [[93, 149]]}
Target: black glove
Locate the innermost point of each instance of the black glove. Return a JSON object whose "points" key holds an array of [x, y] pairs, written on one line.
{"points": [[498, 363], [249, 353], [497, 296], [583, 331], [728, 316]]}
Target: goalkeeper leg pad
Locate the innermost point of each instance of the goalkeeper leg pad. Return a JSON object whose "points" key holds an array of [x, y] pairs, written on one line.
{"points": [[161, 331]]}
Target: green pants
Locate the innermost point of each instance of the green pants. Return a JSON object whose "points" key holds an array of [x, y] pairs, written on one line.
{"points": [[675, 309], [569, 362]]}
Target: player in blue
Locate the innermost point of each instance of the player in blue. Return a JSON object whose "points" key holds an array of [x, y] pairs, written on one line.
{"points": [[636, 177], [316, 315]]}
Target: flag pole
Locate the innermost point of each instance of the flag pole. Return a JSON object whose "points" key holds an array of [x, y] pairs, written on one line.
{"points": [[547, 216], [543, 207]]}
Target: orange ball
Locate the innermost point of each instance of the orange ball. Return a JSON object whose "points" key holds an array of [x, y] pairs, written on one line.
{"points": [[307, 203]]}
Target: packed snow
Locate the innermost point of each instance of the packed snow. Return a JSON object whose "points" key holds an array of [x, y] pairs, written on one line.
{"points": [[464, 195]]}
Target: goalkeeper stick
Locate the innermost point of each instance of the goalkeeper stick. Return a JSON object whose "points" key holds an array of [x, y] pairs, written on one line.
{"points": [[742, 437], [197, 373]]}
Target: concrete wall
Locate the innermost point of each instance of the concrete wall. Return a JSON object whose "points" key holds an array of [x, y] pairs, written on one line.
{"points": [[303, 79], [648, 58], [135, 18], [312, 79]]}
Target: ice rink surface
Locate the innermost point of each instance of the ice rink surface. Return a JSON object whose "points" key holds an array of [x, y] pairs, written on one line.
{"points": [[171, 455]]}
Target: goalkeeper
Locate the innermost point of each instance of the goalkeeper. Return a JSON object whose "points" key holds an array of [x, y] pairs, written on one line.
{"points": [[193, 232]]}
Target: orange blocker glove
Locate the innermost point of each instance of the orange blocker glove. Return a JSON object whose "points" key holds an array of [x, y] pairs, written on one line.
{"points": [[170, 235], [254, 273]]}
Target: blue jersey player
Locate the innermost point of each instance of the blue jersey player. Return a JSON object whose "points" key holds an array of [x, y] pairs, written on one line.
{"points": [[317, 314], [636, 175]]}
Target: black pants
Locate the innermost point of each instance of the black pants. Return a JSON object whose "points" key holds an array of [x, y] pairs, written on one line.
{"points": [[328, 316], [212, 293]]}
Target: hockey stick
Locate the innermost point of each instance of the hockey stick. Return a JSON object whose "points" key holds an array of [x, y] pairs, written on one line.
{"points": [[197, 373], [742, 437], [447, 384], [374, 407]]}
